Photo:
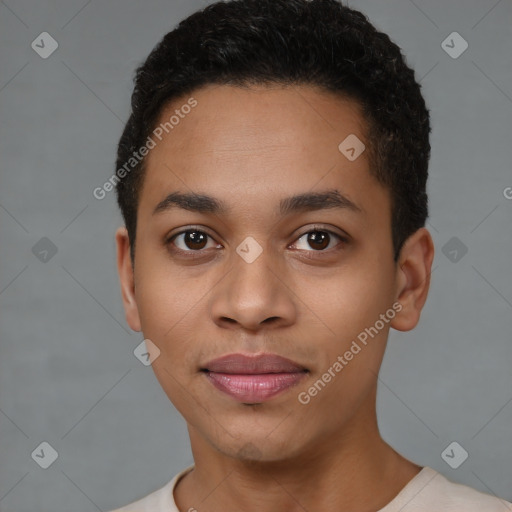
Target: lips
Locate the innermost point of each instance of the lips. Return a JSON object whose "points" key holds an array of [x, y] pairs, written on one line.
{"points": [[253, 379]]}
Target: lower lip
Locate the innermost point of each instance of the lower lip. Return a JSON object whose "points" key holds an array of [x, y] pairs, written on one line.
{"points": [[254, 388]]}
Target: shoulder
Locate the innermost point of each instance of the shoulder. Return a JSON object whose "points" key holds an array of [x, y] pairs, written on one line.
{"points": [[161, 500], [151, 502], [439, 493]]}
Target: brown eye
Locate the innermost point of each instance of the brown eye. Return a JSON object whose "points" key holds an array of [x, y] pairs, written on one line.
{"points": [[317, 239], [191, 240]]}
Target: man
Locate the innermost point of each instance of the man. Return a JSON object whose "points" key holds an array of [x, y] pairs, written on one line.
{"points": [[272, 180]]}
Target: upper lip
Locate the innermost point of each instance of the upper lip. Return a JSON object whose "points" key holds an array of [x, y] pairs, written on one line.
{"points": [[252, 364]]}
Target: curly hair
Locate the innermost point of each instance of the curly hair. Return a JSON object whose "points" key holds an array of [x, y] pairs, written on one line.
{"points": [[291, 42]]}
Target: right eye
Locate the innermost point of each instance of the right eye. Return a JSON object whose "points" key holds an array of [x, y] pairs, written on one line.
{"points": [[190, 240]]}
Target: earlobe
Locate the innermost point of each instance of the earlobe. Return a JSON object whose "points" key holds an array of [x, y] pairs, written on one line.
{"points": [[126, 277], [413, 278]]}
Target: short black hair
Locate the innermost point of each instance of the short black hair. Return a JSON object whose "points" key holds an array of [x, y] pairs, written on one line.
{"points": [[321, 43]]}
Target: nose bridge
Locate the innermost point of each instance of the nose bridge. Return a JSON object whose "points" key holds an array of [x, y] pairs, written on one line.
{"points": [[253, 291], [252, 273]]}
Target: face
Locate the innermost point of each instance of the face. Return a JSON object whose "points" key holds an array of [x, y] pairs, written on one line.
{"points": [[289, 256]]}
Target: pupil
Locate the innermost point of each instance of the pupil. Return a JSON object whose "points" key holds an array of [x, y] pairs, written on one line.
{"points": [[195, 239], [319, 237]]}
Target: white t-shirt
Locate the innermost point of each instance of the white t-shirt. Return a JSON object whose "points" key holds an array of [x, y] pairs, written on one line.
{"points": [[428, 491]]}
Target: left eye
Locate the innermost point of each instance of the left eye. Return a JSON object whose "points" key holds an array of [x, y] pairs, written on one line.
{"points": [[194, 240], [318, 239]]}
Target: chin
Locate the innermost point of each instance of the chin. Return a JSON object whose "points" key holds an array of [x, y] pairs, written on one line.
{"points": [[259, 445]]}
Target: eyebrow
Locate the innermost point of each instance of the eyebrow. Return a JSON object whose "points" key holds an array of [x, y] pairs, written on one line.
{"points": [[310, 201]]}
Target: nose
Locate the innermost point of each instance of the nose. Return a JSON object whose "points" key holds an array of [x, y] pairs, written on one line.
{"points": [[254, 295]]}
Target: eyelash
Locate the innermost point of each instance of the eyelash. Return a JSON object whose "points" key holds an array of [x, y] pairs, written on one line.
{"points": [[316, 229]]}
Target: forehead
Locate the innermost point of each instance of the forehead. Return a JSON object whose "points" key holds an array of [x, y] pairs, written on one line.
{"points": [[259, 144], [262, 118]]}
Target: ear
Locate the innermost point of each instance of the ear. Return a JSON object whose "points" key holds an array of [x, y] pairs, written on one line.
{"points": [[413, 278], [125, 270]]}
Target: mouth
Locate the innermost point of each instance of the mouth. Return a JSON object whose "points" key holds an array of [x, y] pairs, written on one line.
{"points": [[253, 379]]}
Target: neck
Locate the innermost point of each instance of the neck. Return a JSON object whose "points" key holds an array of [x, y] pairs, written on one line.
{"points": [[351, 469]]}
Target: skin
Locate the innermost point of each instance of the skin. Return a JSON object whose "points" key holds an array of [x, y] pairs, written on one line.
{"points": [[251, 148]]}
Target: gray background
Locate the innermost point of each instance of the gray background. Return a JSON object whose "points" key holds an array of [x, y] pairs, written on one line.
{"points": [[68, 375]]}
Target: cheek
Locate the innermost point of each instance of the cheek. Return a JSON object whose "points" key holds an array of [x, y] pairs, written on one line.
{"points": [[163, 295], [165, 319], [348, 301], [349, 304]]}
